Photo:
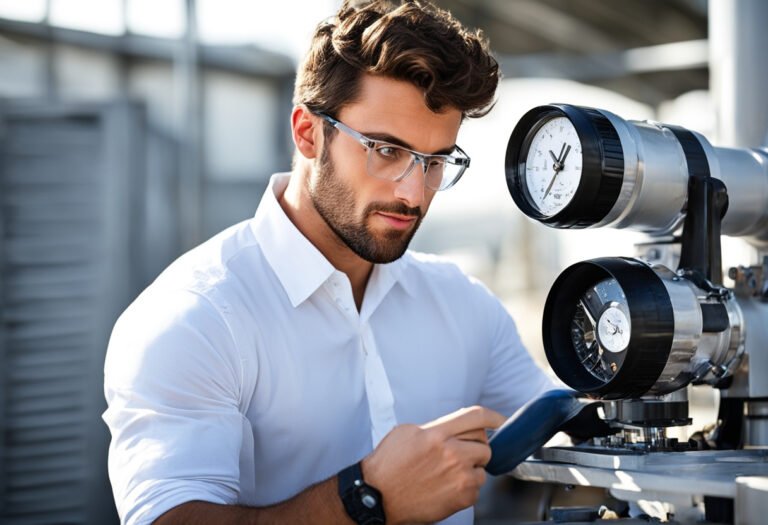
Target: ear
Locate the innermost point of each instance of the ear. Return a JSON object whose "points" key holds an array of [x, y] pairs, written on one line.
{"points": [[306, 130]]}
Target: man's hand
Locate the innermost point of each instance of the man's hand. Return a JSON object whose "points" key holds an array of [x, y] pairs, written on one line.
{"points": [[426, 473]]}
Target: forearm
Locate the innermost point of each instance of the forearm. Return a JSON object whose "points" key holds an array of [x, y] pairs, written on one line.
{"points": [[319, 504]]}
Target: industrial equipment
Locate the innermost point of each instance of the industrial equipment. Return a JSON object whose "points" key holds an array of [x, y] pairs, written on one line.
{"points": [[629, 334]]}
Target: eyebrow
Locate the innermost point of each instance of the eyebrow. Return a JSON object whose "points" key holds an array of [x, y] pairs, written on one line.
{"points": [[386, 137]]}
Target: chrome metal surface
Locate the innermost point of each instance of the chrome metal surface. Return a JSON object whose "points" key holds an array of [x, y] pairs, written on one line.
{"points": [[711, 473], [756, 408], [643, 420], [658, 186], [654, 190], [756, 424], [745, 174], [750, 379], [738, 41], [751, 503], [688, 329], [698, 355]]}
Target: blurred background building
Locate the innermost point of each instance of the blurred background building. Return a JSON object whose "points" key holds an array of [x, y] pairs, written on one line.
{"points": [[131, 130]]}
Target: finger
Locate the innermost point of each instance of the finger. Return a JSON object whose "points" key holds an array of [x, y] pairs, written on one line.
{"points": [[480, 476], [474, 453], [466, 419], [479, 435]]}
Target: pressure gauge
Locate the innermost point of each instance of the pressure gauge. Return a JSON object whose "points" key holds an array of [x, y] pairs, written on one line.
{"points": [[618, 328], [576, 167], [553, 166], [565, 165]]}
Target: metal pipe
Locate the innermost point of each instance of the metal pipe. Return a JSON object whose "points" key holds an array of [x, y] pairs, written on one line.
{"points": [[739, 78], [190, 125]]}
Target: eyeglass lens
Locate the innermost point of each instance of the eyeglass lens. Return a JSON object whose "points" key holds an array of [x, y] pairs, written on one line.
{"points": [[393, 163]]}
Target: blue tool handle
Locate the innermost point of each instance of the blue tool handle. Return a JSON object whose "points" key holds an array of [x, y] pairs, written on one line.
{"points": [[530, 428]]}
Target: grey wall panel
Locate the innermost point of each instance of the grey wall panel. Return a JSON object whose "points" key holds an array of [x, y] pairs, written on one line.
{"points": [[71, 208]]}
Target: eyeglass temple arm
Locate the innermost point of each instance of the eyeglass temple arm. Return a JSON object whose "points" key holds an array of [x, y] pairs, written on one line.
{"points": [[464, 161]]}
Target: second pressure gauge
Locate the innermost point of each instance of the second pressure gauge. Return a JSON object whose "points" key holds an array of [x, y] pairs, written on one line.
{"points": [[565, 165]]}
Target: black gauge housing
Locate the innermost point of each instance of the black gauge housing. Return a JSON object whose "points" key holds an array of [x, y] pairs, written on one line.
{"points": [[602, 171], [652, 327]]}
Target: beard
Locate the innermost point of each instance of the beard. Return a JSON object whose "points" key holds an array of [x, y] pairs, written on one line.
{"points": [[335, 202]]}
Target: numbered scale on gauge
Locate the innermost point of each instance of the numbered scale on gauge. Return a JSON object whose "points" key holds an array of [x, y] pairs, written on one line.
{"points": [[553, 166]]}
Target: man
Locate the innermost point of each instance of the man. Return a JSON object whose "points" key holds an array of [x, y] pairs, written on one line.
{"points": [[302, 367]]}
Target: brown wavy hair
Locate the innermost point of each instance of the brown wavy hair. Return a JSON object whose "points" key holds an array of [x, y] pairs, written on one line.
{"points": [[413, 41]]}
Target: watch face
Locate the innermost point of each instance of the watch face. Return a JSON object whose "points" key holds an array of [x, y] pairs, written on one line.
{"points": [[553, 166]]}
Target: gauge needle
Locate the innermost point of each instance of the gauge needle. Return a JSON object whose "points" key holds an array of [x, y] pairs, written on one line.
{"points": [[552, 182], [558, 166], [554, 158]]}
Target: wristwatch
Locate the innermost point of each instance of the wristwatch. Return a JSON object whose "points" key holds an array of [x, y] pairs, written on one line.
{"points": [[362, 502]]}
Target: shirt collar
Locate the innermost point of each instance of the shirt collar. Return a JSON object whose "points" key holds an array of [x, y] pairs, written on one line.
{"points": [[298, 264], [383, 278]]}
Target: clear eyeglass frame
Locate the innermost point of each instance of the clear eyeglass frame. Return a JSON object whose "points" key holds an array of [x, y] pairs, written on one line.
{"points": [[389, 161]]}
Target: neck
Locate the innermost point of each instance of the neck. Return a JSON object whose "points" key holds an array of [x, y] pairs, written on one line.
{"points": [[298, 206]]}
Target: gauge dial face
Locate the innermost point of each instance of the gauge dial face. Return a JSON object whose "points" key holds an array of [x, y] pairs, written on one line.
{"points": [[553, 166], [613, 329], [600, 329]]}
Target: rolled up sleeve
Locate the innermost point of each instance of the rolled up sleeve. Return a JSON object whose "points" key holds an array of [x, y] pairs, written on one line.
{"points": [[513, 377], [172, 383]]}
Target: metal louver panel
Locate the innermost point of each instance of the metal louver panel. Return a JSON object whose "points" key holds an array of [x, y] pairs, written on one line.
{"points": [[69, 185]]}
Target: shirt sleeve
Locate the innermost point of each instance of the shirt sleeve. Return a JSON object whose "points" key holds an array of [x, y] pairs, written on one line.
{"points": [[172, 384], [513, 377]]}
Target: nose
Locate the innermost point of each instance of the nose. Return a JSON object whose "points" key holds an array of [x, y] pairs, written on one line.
{"points": [[410, 190]]}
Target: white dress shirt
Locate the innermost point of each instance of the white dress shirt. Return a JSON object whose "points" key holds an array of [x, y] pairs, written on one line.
{"points": [[245, 373]]}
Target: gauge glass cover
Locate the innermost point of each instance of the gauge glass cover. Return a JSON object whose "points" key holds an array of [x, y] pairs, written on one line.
{"points": [[553, 166], [599, 348]]}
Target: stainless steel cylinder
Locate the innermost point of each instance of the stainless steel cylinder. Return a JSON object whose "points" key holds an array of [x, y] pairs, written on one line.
{"points": [[756, 424], [696, 354], [655, 186], [654, 191]]}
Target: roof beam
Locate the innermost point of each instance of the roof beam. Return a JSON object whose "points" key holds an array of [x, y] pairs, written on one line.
{"points": [[691, 54], [249, 60]]}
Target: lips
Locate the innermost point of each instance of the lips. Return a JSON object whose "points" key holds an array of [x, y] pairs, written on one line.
{"points": [[399, 222]]}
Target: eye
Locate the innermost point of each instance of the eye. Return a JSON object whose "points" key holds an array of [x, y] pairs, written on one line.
{"points": [[389, 152]]}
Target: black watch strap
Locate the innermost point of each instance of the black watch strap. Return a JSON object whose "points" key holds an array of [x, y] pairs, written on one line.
{"points": [[362, 502]]}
